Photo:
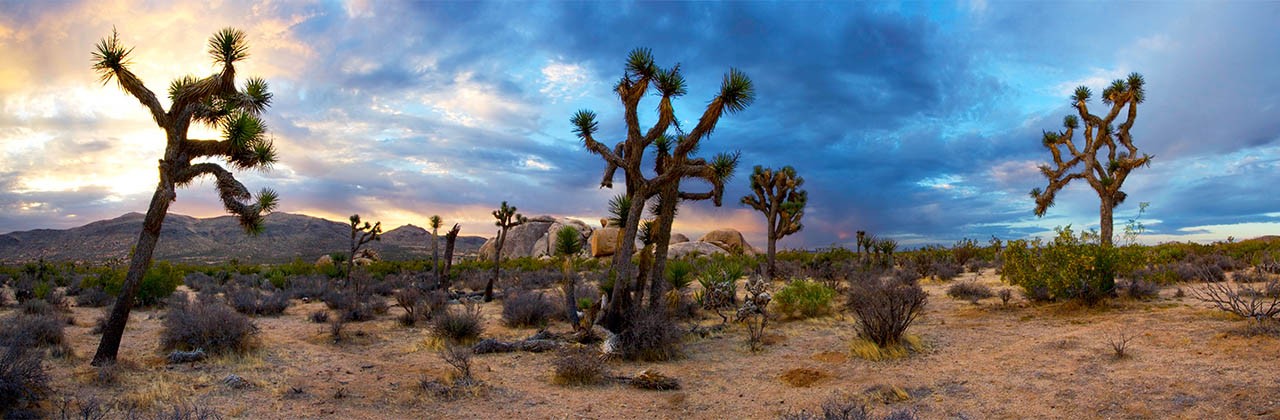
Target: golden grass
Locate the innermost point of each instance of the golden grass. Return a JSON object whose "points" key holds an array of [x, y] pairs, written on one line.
{"points": [[869, 350]]}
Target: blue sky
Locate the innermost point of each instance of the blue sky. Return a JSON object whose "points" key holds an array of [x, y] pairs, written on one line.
{"points": [[919, 121]]}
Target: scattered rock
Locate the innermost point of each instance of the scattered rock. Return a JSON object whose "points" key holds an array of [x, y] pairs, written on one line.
{"points": [[234, 381], [652, 380], [730, 240], [178, 356], [324, 261], [678, 238], [686, 248], [604, 241]]}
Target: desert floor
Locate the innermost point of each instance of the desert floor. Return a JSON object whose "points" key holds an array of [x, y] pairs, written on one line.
{"points": [[980, 361]]}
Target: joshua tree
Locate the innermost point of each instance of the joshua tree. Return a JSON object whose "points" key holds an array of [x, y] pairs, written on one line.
{"points": [[215, 102], [568, 245], [779, 197], [361, 235], [736, 93], [435, 223], [507, 219], [1105, 175], [450, 239]]}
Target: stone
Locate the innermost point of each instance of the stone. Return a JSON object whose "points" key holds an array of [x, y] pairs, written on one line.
{"points": [[324, 261], [729, 239], [698, 247], [520, 239], [678, 238], [604, 241], [546, 245]]}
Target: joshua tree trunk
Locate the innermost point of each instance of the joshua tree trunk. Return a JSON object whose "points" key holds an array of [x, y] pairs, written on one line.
{"points": [[449, 240], [497, 258], [1104, 212], [570, 292], [772, 238], [435, 255], [662, 244], [113, 331]]}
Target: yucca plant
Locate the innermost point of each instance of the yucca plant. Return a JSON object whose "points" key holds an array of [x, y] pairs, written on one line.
{"points": [[216, 102], [777, 194], [568, 245], [1104, 173], [507, 219], [435, 222], [679, 277], [641, 73]]}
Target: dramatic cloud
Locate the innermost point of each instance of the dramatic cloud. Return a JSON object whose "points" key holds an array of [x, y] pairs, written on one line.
{"points": [[916, 121]]}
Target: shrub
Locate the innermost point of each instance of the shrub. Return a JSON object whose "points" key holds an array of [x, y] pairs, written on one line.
{"points": [[528, 309], [159, 282], [23, 380], [319, 317], [206, 324], [34, 330], [308, 287], [94, 297], [1067, 268], [1005, 296], [885, 309], [459, 325], [970, 291], [256, 302], [651, 336], [804, 298], [835, 409], [354, 307], [578, 366], [1141, 289]]}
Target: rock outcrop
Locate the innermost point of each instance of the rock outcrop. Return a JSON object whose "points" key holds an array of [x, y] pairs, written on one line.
{"points": [[534, 238], [700, 248], [604, 241], [677, 238], [730, 240]]}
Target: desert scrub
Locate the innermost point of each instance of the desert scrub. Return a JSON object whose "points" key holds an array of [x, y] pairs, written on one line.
{"points": [[34, 330], [253, 301], [459, 325], [970, 291], [652, 337], [848, 409], [885, 309], [527, 309], [578, 366], [1070, 267], [206, 324], [23, 381], [804, 299]]}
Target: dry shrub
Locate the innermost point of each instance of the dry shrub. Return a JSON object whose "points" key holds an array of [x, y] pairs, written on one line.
{"points": [[528, 309], [460, 382], [355, 307], [1141, 289], [970, 291], [206, 324], [654, 381], [847, 409], [459, 325], [885, 309], [252, 301], [651, 336], [578, 366], [319, 317], [29, 331], [23, 381], [93, 297]]}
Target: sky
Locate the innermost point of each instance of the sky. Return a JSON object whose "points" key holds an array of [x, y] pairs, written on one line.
{"points": [[915, 121]]}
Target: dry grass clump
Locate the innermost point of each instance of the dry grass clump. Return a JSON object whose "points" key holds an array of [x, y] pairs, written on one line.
{"points": [[869, 350], [23, 381], [652, 337], [578, 366], [460, 382], [847, 409], [206, 324]]}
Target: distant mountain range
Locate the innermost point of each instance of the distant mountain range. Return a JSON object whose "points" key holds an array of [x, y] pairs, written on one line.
{"points": [[216, 240]]}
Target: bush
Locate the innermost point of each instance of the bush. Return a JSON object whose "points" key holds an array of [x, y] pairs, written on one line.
{"points": [[651, 336], [319, 317], [970, 291], [578, 366], [159, 282], [835, 409], [207, 324], [27, 330], [23, 381], [885, 309], [354, 307], [459, 325], [528, 309], [256, 302], [1141, 289], [94, 297], [805, 298], [1068, 268]]}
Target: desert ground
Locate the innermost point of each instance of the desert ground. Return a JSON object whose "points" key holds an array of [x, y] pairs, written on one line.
{"points": [[987, 360]]}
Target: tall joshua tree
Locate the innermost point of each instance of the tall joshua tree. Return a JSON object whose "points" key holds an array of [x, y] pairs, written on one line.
{"points": [[360, 236], [435, 223], [1106, 174], [777, 194], [507, 219], [450, 239], [216, 102], [568, 245], [736, 93]]}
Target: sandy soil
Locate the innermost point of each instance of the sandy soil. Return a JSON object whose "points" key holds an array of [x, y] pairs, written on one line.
{"points": [[981, 361]]}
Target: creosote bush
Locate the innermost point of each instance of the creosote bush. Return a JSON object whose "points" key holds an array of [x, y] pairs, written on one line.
{"points": [[970, 291], [206, 324], [578, 365], [23, 381], [652, 337], [804, 299], [459, 325], [885, 308], [28, 330], [1070, 267], [528, 309], [253, 301]]}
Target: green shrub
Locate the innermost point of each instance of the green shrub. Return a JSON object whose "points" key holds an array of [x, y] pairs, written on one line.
{"points": [[159, 282], [804, 298], [1070, 267]]}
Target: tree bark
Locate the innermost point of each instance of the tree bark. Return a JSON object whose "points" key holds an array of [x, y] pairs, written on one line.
{"points": [[620, 304], [667, 203], [497, 258], [1106, 227], [435, 254], [113, 331], [773, 242], [449, 241]]}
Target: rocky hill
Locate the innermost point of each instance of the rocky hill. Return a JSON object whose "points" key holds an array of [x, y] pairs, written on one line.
{"points": [[216, 240]]}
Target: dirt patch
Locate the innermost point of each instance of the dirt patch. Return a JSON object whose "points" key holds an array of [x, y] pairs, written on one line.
{"points": [[803, 377], [831, 357]]}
